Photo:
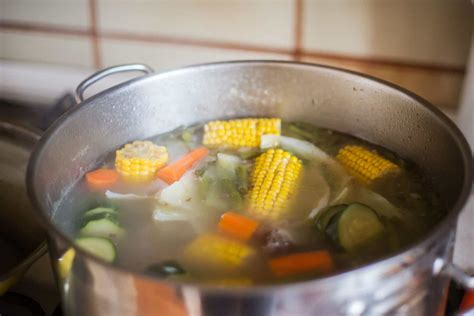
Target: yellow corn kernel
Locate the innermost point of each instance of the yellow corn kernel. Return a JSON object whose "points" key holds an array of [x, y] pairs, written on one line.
{"points": [[139, 161], [239, 133], [364, 164], [273, 182], [217, 252]]}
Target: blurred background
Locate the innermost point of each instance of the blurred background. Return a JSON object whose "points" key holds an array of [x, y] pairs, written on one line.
{"points": [[422, 45]]}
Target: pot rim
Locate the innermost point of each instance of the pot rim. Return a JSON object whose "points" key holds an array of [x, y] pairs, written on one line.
{"points": [[411, 251]]}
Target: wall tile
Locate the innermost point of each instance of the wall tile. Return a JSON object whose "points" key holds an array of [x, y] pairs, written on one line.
{"points": [[432, 31], [167, 56], [263, 22], [440, 88], [47, 48], [71, 13]]}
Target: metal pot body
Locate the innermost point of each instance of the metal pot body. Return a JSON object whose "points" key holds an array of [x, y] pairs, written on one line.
{"points": [[409, 282]]}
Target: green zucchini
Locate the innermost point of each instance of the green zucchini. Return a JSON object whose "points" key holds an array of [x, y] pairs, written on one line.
{"points": [[102, 248], [110, 216], [325, 216], [357, 225], [99, 211], [103, 227]]}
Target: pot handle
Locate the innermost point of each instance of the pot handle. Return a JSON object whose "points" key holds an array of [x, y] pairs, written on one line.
{"points": [[449, 268], [107, 72]]}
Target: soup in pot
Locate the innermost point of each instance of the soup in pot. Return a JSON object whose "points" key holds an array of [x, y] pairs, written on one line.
{"points": [[249, 201]]}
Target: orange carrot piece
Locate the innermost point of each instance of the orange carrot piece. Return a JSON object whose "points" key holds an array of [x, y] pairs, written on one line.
{"points": [[237, 226], [176, 169], [302, 262], [467, 301], [101, 179]]}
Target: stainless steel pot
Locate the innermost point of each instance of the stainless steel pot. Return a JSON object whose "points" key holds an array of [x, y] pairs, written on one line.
{"points": [[412, 281]]}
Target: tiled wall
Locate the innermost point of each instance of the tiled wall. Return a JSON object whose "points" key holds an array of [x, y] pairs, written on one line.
{"points": [[419, 44]]}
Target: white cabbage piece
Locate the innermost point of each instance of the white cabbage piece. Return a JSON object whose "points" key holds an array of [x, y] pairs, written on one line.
{"points": [[228, 162], [182, 194], [321, 204], [128, 196], [314, 192], [165, 214], [356, 193], [299, 147], [336, 177]]}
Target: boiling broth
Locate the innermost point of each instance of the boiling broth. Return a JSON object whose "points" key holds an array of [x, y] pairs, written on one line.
{"points": [[334, 217]]}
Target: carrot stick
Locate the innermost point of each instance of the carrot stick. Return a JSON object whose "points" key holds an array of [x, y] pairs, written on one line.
{"points": [[101, 179], [302, 262], [175, 170], [237, 226]]}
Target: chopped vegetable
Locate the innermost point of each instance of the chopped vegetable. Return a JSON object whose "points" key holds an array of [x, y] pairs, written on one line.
{"points": [[175, 170], [187, 136], [166, 269], [300, 263], [300, 148], [101, 179], [228, 162], [360, 194], [321, 204], [364, 164], [354, 226], [164, 214], [128, 196], [357, 225], [220, 188], [467, 302], [324, 217], [315, 194], [239, 133], [139, 161], [99, 211], [238, 226], [104, 227], [217, 252], [99, 247], [274, 181], [301, 132], [182, 194]]}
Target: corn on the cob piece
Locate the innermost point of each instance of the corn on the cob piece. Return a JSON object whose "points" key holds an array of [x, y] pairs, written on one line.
{"points": [[217, 252], [273, 182], [139, 161], [239, 133], [364, 164]]}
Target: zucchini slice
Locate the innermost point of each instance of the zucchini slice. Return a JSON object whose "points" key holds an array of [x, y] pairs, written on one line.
{"points": [[99, 211], [102, 248], [325, 216], [357, 225], [103, 227]]}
